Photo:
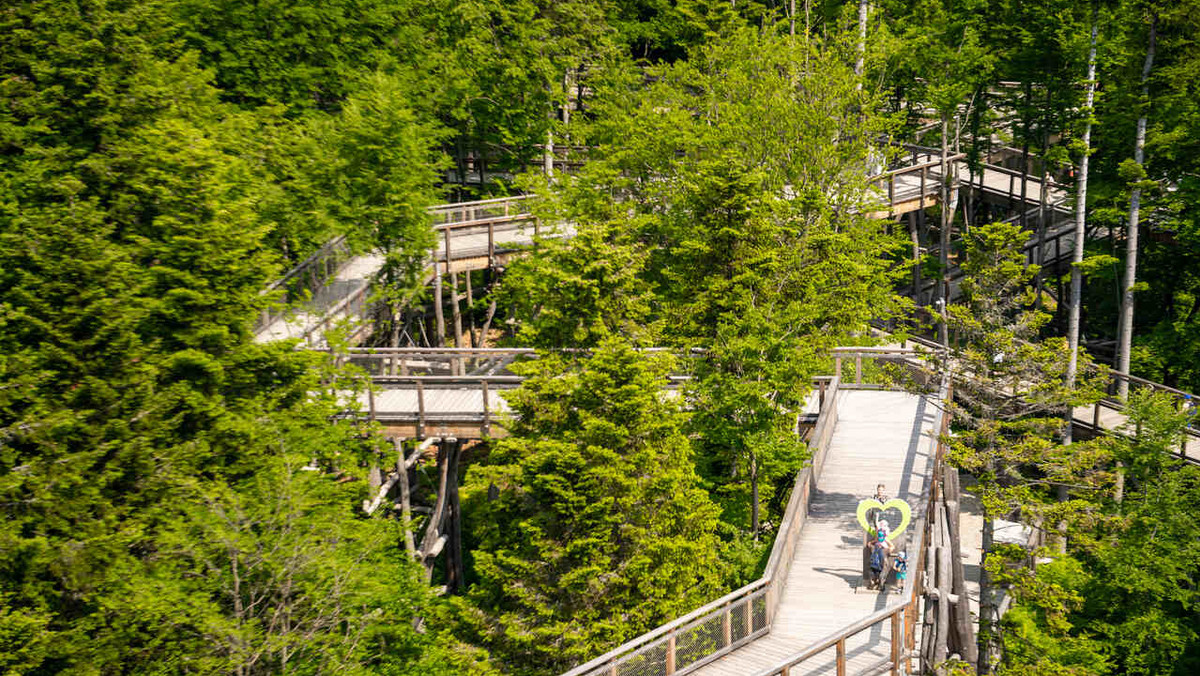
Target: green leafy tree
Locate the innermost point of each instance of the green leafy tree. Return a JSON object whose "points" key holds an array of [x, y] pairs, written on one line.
{"points": [[1008, 403]]}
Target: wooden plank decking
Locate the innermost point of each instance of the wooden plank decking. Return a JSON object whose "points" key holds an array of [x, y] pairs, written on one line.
{"points": [[881, 437]]}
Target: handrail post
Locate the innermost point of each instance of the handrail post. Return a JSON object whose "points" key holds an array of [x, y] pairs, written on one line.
{"points": [[726, 627], [858, 369], [841, 657], [897, 640], [671, 652], [837, 366], [487, 416], [420, 410], [492, 242], [748, 613]]}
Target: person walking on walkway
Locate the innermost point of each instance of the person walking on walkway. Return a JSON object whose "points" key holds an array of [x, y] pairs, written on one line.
{"points": [[874, 513]]}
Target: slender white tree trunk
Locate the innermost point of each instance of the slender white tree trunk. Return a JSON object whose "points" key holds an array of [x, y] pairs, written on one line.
{"points": [[943, 293], [1081, 187], [862, 41], [1135, 203]]}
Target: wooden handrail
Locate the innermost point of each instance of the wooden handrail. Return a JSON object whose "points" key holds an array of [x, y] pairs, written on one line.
{"points": [[769, 584], [896, 612], [492, 200]]}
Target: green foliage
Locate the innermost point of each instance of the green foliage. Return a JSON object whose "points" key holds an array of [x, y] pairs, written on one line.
{"points": [[596, 529]]}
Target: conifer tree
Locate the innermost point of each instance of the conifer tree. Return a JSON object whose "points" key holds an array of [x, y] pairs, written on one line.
{"points": [[590, 523]]}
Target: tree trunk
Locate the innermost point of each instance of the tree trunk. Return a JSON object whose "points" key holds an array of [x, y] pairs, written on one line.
{"points": [[410, 546], [1081, 187], [470, 313], [1025, 154], [438, 300], [987, 603], [456, 311], [915, 237], [1043, 199], [1135, 203], [754, 495], [944, 236], [861, 49]]}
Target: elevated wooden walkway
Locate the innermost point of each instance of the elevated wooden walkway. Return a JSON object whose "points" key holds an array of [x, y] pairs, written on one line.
{"points": [[470, 236], [880, 437]]}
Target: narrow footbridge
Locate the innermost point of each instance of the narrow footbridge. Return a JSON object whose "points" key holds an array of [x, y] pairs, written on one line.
{"points": [[809, 613], [333, 285]]}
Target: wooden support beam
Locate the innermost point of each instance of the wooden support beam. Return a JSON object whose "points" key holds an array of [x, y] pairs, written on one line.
{"points": [[420, 409], [964, 632], [897, 642], [456, 314], [486, 430], [453, 527], [670, 665], [726, 627], [438, 299], [402, 467]]}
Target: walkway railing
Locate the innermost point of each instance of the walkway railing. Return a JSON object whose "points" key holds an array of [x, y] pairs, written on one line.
{"points": [[1111, 402], [739, 617], [901, 617], [303, 280]]}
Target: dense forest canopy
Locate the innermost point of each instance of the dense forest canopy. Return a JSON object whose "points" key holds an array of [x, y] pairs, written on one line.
{"points": [[179, 498]]}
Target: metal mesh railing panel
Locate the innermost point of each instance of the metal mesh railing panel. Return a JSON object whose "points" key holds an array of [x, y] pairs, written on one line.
{"points": [[739, 628], [648, 661], [759, 612], [701, 639]]}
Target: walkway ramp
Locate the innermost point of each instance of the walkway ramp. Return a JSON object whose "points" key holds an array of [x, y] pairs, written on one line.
{"points": [[880, 437]]}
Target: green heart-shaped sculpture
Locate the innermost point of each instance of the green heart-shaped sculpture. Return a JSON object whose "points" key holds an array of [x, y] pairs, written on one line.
{"points": [[900, 505]]}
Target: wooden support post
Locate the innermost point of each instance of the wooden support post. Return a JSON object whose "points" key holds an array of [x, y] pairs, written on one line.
{"points": [[670, 652], [941, 646], [420, 409], [821, 396], [487, 414], [433, 541], [453, 528], [405, 498], [837, 366], [1096, 416], [726, 627], [470, 315], [841, 657], [921, 202], [748, 615], [437, 302], [492, 245], [370, 402], [965, 645], [891, 191], [858, 369], [897, 643], [455, 312]]}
